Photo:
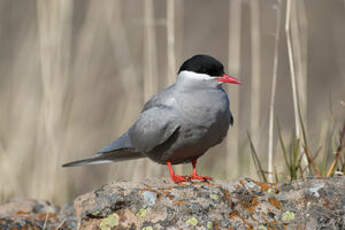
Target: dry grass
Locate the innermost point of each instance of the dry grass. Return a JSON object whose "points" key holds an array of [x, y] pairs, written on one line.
{"points": [[273, 90], [234, 67]]}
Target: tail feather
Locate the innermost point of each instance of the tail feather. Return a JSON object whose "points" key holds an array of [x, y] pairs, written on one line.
{"points": [[107, 157], [88, 161]]}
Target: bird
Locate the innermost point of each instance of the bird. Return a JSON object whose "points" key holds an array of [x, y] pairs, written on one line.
{"points": [[178, 124]]}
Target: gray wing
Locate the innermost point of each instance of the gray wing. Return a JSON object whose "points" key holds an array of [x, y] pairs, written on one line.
{"points": [[154, 126], [123, 142], [159, 99]]}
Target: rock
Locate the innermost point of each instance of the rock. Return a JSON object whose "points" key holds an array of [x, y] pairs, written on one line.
{"points": [[243, 204], [159, 204], [36, 214], [26, 206]]}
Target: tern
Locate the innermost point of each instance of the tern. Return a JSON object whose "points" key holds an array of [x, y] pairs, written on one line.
{"points": [[180, 123]]}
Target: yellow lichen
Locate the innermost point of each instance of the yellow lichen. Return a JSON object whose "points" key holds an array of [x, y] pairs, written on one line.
{"points": [[141, 212], [288, 216], [261, 227], [147, 228], [214, 196], [193, 221], [109, 222]]}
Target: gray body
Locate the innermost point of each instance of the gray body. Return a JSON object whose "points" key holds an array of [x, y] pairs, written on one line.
{"points": [[179, 124]]}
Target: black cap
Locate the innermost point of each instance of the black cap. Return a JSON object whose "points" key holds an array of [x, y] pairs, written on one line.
{"points": [[205, 64]]}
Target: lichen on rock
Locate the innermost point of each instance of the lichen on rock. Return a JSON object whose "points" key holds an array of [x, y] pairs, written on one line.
{"points": [[109, 222], [244, 204], [157, 204]]}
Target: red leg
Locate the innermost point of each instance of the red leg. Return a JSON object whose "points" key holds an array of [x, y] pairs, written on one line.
{"points": [[173, 176], [195, 176]]}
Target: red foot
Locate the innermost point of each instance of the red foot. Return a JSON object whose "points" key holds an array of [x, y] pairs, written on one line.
{"points": [[197, 177], [178, 178], [174, 177]]}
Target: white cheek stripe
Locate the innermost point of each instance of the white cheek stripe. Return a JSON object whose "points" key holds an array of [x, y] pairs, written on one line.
{"points": [[196, 76]]}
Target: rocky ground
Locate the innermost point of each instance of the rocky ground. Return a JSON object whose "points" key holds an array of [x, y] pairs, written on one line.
{"points": [[36, 214], [159, 204]]}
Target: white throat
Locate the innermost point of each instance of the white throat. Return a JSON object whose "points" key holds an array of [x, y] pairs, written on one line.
{"points": [[196, 80]]}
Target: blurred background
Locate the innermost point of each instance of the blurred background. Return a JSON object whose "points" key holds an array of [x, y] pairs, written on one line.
{"points": [[74, 75]]}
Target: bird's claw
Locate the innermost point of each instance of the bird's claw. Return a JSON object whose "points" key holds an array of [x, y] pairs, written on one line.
{"points": [[201, 178], [179, 179]]}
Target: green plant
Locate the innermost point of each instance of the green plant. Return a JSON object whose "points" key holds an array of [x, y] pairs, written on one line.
{"points": [[256, 160]]}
